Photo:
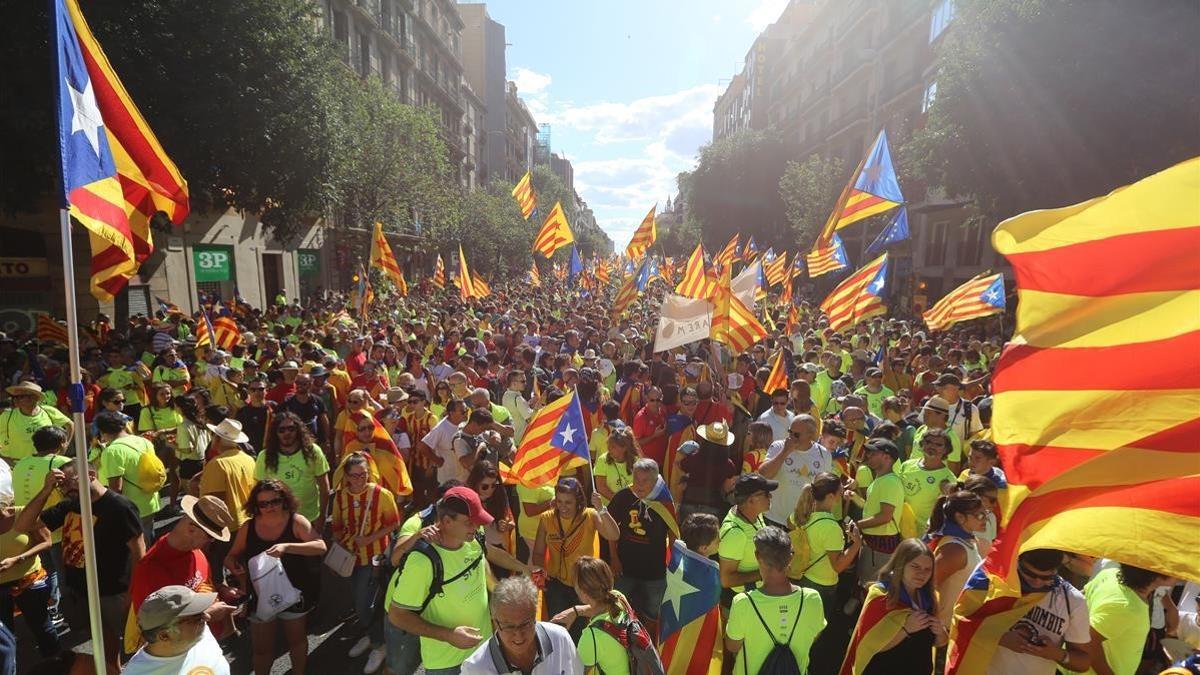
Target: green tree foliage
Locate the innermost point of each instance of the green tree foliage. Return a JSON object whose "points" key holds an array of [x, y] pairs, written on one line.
{"points": [[1042, 103], [497, 241], [809, 190], [735, 188]]}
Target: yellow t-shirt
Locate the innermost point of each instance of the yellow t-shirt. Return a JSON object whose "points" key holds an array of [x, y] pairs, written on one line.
{"points": [[231, 473], [568, 541], [13, 543]]}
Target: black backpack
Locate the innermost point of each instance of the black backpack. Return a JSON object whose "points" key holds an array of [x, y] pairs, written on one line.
{"points": [[439, 581], [780, 660]]}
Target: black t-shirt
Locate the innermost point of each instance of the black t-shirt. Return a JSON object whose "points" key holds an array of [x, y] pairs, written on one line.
{"points": [[254, 425], [117, 522], [707, 471], [308, 411], [642, 547]]}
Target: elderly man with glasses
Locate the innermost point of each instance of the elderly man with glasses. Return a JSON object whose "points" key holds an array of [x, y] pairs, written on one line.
{"points": [[521, 643], [17, 424]]}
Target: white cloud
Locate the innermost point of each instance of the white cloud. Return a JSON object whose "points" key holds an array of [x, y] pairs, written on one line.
{"points": [[643, 119], [765, 13], [530, 82]]}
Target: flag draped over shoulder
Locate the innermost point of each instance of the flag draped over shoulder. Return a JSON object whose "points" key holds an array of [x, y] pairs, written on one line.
{"points": [[386, 464], [644, 236], [978, 297], [553, 441], [661, 502], [733, 323], [826, 259], [1097, 397], [115, 175], [859, 297], [555, 232], [692, 635], [523, 193], [986, 609], [872, 190], [697, 283], [382, 257], [877, 625]]}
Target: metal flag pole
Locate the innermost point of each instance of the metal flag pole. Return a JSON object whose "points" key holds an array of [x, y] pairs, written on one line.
{"points": [[75, 394]]}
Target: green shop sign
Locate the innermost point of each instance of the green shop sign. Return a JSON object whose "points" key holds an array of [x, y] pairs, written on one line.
{"points": [[213, 263], [308, 261]]}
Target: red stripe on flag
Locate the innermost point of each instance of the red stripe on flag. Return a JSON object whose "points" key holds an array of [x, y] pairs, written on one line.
{"points": [[95, 206], [868, 202], [1129, 367]]}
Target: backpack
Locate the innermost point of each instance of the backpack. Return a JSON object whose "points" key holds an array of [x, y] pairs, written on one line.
{"points": [[780, 660], [152, 473], [802, 549], [904, 518], [439, 581], [635, 639]]}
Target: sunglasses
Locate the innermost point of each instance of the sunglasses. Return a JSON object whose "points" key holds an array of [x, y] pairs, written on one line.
{"points": [[268, 503], [1037, 575], [117, 400], [258, 388]]}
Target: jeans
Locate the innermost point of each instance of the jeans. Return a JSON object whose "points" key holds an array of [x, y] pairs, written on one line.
{"points": [[52, 561], [33, 602], [403, 650], [645, 595], [8, 651], [365, 586], [443, 671]]}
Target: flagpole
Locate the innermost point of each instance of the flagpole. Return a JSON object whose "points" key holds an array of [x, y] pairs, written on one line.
{"points": [[75, 394]]}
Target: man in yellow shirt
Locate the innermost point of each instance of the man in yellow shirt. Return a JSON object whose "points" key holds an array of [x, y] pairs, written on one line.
{"points": [[229, 475]]}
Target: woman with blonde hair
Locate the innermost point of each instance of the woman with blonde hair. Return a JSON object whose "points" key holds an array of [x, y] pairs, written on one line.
{"points": [[614, 468]]}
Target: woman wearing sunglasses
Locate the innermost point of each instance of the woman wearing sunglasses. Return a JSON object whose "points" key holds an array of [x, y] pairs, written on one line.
{"points": [[957, 517], [277, 529]]}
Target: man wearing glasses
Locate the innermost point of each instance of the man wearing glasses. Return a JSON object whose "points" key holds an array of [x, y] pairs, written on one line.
{"points": [[1054, 632], [255, 415], [778, 416], [521, 643], [650, 426], [794, 462]]}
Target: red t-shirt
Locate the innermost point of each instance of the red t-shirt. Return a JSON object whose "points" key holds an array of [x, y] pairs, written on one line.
{"points": [[646, 423], [163, 565], [355, 362], [708, 412], [281, 391]]}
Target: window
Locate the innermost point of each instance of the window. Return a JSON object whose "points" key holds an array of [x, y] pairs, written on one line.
{"points": [[943, 14], [970, 248], [935, 247], [929, 96]]}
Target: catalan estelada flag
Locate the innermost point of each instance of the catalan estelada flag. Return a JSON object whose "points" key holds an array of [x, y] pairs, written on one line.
{"points": [[49, 330], [749, 251], [167, 307], [878, 623], [661, 502], [482, 288], [775, 267], [778, 379], [692, 637], [978, 297], [793, 321], [628, 291], [535, 277], [727, 255], [1097, 396], [523, 193], [555, 232], [826, 259], [986, 609], [115, 175], [553, 441], [439, 273], [382, 257], [859, 297], [602, 272], [873, 189], [733, 323], [698, 282], [205, 332], [226, 331], [644, 236]]}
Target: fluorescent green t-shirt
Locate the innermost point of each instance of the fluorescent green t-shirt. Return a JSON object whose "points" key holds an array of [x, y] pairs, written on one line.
{"points": [[462, 603], [17, 428], [13, 544], [824, 535], [597, 648], [1116, 612], [158, 419], [527, 526], [29, 475], [614, 474], [737, 541], [298, 474], [875, 401], [801, 609], [887, 489], [120, 458], [922, 487]]}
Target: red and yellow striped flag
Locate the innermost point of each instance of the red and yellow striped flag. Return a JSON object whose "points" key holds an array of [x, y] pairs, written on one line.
{"points": [[775, 269], [859, 297], [49, 330], [553, 441], [778, 379], [466, 288], [382, 257], [555, 232], [728, 254], [978, 297], [792, 326], [602, 274], [626, 294], [205, 332], [115, 173], [482, 289], [523, 193], [733, 323], [1097, 397], [644, 236], [535, 277], [698, 281], [878, 623], [226, 331], [439, 273]]}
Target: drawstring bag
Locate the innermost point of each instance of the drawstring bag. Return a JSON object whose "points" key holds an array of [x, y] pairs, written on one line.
{"points": [[272, 587]]}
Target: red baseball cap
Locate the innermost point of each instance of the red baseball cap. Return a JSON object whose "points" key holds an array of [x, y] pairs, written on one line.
{"points": [[470, 499]]}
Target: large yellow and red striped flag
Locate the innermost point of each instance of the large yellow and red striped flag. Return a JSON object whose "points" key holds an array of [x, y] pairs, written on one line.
{"points": [[523, 193], [439, 273], [466, 288], [644, 236], [859, 297], [733, 323], [553, 441], [382, 257], [778, 379], [698, 281], [775, 268], [555, 232], [482, 289], [979, 297], [1097, 397], [115, 175], [49, 330], [728, 254]]}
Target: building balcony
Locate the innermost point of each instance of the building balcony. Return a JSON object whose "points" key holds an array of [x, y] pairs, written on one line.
{"points": [[900, 84], [368, 9], [855, 115]]}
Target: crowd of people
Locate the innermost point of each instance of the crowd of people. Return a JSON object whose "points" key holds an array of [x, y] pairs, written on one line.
{"points": [[327, 453]]}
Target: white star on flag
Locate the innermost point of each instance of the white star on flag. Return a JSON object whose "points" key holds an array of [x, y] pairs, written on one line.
{"points": [[877, 285], [677, 589], [568, 434], [85, 116]]}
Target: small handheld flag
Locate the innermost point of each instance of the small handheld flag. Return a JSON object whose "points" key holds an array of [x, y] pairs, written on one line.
{"points": [[979, 297], [553, 441], [859, 297]]}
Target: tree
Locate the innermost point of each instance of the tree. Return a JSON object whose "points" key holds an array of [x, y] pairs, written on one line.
{"points": [[810, 190], [1041, 103], [496, 239], [735, 188]]}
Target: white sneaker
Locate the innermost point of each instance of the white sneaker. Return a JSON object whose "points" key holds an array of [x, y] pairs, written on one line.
{"points": [[360, 647], [375, 660]]}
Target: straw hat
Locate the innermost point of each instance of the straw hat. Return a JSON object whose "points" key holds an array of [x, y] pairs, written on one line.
{"points": [[209, 514], [25, 388], [229, 430], [717, 432]]}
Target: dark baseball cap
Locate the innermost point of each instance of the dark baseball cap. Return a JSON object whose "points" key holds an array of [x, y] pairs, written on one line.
{"points": [[748, 484], [882, 445]]}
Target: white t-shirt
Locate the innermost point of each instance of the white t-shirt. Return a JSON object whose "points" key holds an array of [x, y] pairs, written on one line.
{"points": [[797, 471], [556, 655], [521, 412], [960, 421], [780, 426], [204, 658], [441, 438], [1054, 620]]}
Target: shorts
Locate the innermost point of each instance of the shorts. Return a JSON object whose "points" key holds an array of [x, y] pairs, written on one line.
{"points": [[296, 611], [403, 649]]}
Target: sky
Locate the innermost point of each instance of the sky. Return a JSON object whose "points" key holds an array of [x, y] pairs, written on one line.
{"points": [[628, 88]]}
